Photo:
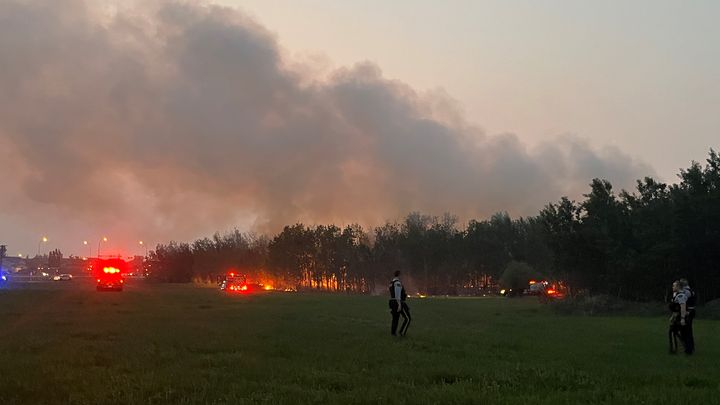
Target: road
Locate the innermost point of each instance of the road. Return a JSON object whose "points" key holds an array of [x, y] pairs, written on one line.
{"points": [[78, 282]]}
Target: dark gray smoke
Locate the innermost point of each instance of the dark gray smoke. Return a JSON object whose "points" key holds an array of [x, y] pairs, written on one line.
{"points": [[173, 120]]}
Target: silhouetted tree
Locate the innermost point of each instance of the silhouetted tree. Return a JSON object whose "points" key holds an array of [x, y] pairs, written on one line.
{"points": [[630, 244], [55, 259]]}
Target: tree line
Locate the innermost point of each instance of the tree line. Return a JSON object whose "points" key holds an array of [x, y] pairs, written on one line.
{"points": [[629, 244]]}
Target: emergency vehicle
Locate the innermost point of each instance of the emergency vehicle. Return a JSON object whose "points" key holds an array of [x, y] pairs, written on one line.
{"points": [[109, 274], [233, 282], [545, 290]]}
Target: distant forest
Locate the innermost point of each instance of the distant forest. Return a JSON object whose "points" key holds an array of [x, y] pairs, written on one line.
{"points": [[629, 244]]}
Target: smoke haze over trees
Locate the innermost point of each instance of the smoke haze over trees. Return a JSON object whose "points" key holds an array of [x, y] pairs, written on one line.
{"points": [[182, 117], [628, 244]]}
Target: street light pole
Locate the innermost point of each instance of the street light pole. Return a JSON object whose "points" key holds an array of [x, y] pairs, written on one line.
{"points": [[103, 239], [40, 242], [3, 250]]}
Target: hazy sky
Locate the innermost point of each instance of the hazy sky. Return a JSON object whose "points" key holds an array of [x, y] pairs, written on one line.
{"points": [[641, 75], [173, 119]]}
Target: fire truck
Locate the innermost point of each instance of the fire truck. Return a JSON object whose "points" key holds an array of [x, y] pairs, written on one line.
{"points": [[233, 282], [109, 274], [545, 290]]}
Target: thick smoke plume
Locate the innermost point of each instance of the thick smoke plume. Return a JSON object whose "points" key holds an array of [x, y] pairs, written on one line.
{"points": [[173, 120]]}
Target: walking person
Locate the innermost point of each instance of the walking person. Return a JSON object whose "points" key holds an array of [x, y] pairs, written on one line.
{"points": [[398, 306]]}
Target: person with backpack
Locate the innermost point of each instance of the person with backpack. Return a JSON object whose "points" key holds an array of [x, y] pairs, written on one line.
{"points": [[398, 306], [687, 300]]}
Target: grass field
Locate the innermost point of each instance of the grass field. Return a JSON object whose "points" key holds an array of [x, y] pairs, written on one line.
{"points": [[177, 344]]}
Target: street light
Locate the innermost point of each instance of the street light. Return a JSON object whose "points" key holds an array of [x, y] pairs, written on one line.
{"points": [[141, 243], [104, 239], [89, 248], [43, 240]]}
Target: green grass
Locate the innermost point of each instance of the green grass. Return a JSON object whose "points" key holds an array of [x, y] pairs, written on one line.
{"points": [[176, 344]]}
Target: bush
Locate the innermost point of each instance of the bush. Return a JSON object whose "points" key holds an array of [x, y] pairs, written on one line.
{"points": [[599, 305], [711, 310], [173, 263], [517, 275]]}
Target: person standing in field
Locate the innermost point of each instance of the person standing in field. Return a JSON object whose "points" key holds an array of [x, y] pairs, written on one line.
{"points": [[687, 314], [674, 327], [398, 306], [683, 307]]}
